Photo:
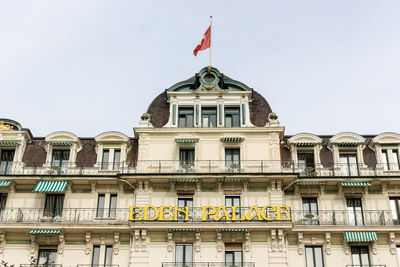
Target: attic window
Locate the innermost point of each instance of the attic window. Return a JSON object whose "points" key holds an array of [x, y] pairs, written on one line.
{"points": [[209, 78]]}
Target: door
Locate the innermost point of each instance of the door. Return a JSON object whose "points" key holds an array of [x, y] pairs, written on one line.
{"points": [[54, 206], [310, 210], [47, 256], [232, 159], [185, 202], [348, 164], [231, 201], [355, 211], [183, 255], [360, 256]]}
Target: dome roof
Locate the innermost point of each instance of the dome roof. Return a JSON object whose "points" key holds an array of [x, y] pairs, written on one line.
{"points": [[259, 107]]}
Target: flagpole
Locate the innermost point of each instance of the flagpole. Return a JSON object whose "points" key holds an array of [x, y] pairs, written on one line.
{"points": [[209, 67]]}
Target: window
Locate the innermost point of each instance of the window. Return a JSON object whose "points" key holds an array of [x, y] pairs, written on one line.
{"points": [[54, 206], [232, 117], [385, 160], [233, 201], [390, 159], [355, 211], [232, 159], [3, 201], [183, 255], [395, 208], [111, 159], [310, 210], [209, 117], [47, 256], [60, 158], [102, 211], [314, 257], [186, 160], [396, 162], [97, 256], [306, 161], [360, 255], [348, 164], [398, 254], [6, 161], [233, 254], [185, 117], [185, 202]]}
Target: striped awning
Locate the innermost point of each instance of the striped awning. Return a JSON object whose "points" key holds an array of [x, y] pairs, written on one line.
{"points": [[60, 143], [9, 143], [305, 144], [355, 184], [186, 180], [183, 230], [184, 140], [37, 232], [5, 183], [360, 236], [232, 139], [346, 144], [51, 186], [233, 230], [310, 183], [232, 180]]}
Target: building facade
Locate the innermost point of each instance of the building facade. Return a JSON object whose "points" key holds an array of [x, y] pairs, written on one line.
{"points": [[208, 179]]}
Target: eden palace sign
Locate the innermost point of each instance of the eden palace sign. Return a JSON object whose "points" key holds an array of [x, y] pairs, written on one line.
{"points": [[209, 213]]}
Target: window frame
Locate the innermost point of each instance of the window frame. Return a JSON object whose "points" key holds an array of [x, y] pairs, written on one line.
{"points": [[352, 211], [314, 263], [184, 260], [203, 115], [348, 155], [8, 163], [53, 213], [359, 248], [232, 111], [186, 117]]}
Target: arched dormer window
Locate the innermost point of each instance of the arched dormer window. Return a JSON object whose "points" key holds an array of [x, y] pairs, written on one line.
{"points": [[347, 153], [305, 148], [112, 149], [387, 149], [62, 149]]}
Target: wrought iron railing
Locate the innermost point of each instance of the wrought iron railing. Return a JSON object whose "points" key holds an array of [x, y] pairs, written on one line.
{"points": [[97, 265], [366, 265], [207, 264], [195, 215], [41, 265]]}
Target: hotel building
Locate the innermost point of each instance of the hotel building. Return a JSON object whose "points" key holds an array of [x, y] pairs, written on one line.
{"points": [[207, 179]]}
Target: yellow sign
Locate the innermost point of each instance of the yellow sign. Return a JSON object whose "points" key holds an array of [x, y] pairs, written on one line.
{"points": [[209, 213]]}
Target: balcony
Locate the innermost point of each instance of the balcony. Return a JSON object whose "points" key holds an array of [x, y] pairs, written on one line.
{"points": [[366, 265], [207, 264], [97, 265], [41, 265]]}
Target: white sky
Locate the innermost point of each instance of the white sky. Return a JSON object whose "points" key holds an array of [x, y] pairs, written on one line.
{"points": [[92, 66]]}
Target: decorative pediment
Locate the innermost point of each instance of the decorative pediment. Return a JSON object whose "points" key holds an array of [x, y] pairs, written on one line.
{"points": [[347, 139], [387, 138], [112, 137]]}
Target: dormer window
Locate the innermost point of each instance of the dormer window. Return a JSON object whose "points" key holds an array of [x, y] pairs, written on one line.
{"points": [[232, 117], [62, 149], [112, 149], [111, 159], [348, 164], [60, 158], [185, 117], [6, 160], [390, 159]]}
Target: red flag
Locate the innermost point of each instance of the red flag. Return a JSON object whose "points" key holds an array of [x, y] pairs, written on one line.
{"points": [[205, 42]]}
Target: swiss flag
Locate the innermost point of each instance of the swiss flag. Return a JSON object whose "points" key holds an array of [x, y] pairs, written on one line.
{"points": [[205, 42]]}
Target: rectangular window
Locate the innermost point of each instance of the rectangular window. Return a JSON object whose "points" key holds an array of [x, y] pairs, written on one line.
{"points": [[3, 201], [310, 210], [100, 205], [185, 202], [6, 161], [233, 254], [396, 163], [108, 256], [208, 117], [232, 117], [183, 254], [395, 208], [47, 256], [360, 255], [232, 159], [96, 256], [314, 256], [60, 158], [112, 208], [306, 161], [186, 160], [105, 159], [185, 117], [385, 160], [53, 206], [348, 164], [398, 254], [117, 159], [231, 201], [355, 211]]}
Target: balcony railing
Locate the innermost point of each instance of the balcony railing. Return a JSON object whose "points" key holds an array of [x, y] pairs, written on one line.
{"points": [[366, 265], [195, 215], [207, 264], [41, 265], [97, 265]]}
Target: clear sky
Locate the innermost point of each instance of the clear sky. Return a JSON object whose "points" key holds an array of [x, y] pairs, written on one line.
{"points": [[94, 65]]}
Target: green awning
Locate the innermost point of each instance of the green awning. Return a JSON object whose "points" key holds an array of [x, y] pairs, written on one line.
{"points": [[232, 180], [9, 143], [305, 144], [232, 139], [310, 183], [36, 232], [360, 236], [347, 144], [186, 140], [5, 183], [51, 186], [60, 143], [355, 184], [183, 230], [233, 230], [186, 180]]}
